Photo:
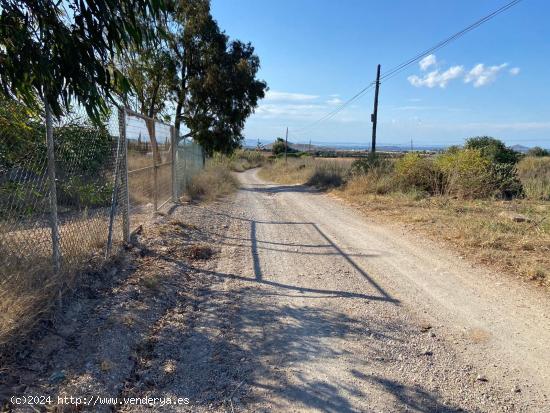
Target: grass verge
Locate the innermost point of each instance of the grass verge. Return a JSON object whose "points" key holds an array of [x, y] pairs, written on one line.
{"points": [[215, 181], [478, 229]]}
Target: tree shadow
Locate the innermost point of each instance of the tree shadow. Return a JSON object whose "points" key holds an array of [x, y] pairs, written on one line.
{"points": [[274, 189], [413, 397]]}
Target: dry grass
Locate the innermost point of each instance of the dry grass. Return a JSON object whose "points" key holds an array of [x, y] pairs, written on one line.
{"points": [[141, 181], [534, 174], [294, 171], [212, 183], [244, 159], [28, 286], [476, 228]]}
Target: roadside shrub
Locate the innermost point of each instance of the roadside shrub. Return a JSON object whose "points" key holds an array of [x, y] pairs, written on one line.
{"points": [[242, 160], [534, 174], [212, 182], [466, 174], [278, 146], [327, 175], [537, 151], [493, 149], [505, 181], [416, 171], [376, 181], [364, 165]]}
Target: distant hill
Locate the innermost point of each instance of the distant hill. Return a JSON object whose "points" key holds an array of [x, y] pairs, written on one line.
{"points": [[520, 148], [304, 147]]}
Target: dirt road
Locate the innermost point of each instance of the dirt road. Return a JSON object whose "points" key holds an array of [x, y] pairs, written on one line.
{"points": [[343, 314], [305, 305]]}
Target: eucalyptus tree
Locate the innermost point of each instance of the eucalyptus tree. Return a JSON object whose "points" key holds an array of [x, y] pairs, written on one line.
{"points": [[216, 87], [62, 51]]}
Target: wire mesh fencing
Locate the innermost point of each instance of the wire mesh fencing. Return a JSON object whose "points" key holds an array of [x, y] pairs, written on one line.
{"points": [[189, 160], [67, 200], [56, 198], [160, 165]]}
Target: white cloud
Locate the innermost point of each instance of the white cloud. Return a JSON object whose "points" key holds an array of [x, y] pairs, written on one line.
{"points": [[334, 101], [287, 96], [482, 76], [427, 62], [479, 75], [437, 78]]}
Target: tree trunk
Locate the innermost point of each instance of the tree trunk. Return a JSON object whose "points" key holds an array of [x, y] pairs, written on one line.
{"points": [[151, 125]]}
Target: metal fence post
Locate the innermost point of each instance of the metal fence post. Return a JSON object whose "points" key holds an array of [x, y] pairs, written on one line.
{"points": [[114, 197], [173, 147], [125, 208], [155, 166], [56, 251]]}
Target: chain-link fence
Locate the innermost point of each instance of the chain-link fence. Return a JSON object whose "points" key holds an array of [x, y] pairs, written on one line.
{"points": [[160, 166], [67, 200]]}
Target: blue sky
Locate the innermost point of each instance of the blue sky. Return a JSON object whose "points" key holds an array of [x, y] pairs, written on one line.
{"points": [[316, 53]]}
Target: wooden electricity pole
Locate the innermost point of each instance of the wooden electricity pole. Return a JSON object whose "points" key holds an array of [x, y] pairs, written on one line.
{"points": [[286, 143], [374, 116]]}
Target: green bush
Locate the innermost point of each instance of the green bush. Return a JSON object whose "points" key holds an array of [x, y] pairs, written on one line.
{"points": [[466, 174], [534, 174], [493, 149], [416, 171], [505, 180], [278, 146]]}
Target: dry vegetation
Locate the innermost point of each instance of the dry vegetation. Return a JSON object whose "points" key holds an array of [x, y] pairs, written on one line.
{"points": [[459, 207], [213, 182], [294, 171], [29, 288], [141, 181]]}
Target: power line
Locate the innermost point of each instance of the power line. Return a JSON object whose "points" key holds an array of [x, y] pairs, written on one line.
{"points": [[339, 108], [402, 66], [397, 69]]}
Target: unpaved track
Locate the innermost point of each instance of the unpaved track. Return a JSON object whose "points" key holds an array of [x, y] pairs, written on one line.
{"points": [[344, 314], [306, 305]]}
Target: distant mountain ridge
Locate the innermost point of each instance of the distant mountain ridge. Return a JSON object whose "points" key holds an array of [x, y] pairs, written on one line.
{"points": [[304, 147]]}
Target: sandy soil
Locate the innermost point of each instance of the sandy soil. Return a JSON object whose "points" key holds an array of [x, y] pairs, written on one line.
{"points": [[306, 305]]}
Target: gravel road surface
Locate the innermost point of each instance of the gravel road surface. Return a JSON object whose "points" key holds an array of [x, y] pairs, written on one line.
{"points": [[344, 314]]}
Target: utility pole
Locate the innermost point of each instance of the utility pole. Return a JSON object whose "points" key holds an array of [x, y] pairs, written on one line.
{"points": [[286, 143], [412, 145], [310, 146], [374, 116]]}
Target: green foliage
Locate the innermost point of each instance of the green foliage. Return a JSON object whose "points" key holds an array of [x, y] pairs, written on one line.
{"points": [[506, 183], [467, 174], [83, 162], [537, 151], [278, 146], [216, 87], [493, 149], [64, 50], [21, 135], [416, 171], [534, 174], [84, 170]]}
